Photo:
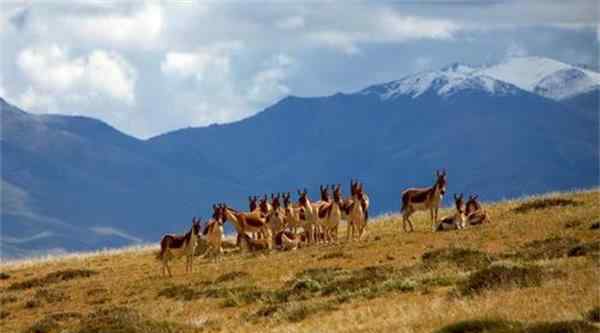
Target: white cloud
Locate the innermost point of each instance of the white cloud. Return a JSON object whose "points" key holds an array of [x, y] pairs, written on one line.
{"points": [[422, 63], [140, 28], [385, 26], [291, 23], [109, 231], [269, 84], [394, 27], [515, 50], [342, 41], [54, 76], [201, 62], [2, 89]]}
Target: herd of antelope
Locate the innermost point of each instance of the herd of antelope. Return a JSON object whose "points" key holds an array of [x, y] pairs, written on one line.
{"points": [[277, 223]]}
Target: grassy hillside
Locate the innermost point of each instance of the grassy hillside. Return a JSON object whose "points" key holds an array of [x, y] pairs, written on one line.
{"points": [[532, 269]]}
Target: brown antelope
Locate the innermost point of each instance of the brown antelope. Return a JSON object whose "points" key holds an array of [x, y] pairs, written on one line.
{"points": [[276, 218], [214, 232], [249, 244], [253, 203], [416, 199], [475, 213], [354, 209], [355, 186], [286, 240], [457, 220], [264, 205], [311, 215], [245, 222], [295, 218], [175, 246], [330, 215]]}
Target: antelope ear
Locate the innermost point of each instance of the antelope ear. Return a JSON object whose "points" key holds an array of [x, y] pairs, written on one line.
{"points": [[299, 193], [455, 196]]}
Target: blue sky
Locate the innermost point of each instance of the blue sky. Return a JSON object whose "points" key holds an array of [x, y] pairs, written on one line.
{"points": [[151, 67]]}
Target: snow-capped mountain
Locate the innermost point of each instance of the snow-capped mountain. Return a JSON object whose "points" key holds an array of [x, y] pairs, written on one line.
{"points": [[444, 82], [544, 76]]}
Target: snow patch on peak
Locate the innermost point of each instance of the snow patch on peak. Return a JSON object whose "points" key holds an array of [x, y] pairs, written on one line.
{"points": [[524, 72], [445, 82], [544, 76]]}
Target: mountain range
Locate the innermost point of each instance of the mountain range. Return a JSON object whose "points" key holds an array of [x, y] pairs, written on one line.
{"points": [[526, 125]]}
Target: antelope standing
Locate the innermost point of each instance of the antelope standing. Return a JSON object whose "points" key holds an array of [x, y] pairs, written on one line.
{"points": [[475, 213], [355, 210], [214, 232], [276, 218], [330, 214], [457, 220], [416, 199], [253, 203], [175, 246], [245, 222], [311, 215], [355, 186]]}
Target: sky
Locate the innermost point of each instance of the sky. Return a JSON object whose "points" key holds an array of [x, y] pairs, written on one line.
{"points": [[150, 67]]}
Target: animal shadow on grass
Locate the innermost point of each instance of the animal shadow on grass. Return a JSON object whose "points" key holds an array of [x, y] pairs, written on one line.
{"points": [[491, 325], [108, 320], [502, 275], [537, 204], [466, 259], [51, 278]]}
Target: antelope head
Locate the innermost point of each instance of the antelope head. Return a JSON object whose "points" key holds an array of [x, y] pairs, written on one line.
{"points": [[253, 202], [441, 181], [459, 203]]}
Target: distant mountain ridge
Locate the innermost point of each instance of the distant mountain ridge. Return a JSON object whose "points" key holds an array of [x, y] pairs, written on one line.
{"points": [[73, 183]]}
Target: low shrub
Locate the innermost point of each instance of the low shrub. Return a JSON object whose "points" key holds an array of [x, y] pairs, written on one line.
{"points": [[502, 275], [231, 276]]}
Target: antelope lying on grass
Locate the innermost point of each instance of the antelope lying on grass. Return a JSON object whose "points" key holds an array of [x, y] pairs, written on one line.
{"points": [[286, 240], [416, 199], [456, 221], [249, 244], [174, 246], [475, 213]]}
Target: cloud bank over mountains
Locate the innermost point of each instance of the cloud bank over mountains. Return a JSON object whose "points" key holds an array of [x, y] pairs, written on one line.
{"points": [[147, 68]]}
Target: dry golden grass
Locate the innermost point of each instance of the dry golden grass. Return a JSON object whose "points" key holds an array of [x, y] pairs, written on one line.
{"points": [[381, 284]]}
